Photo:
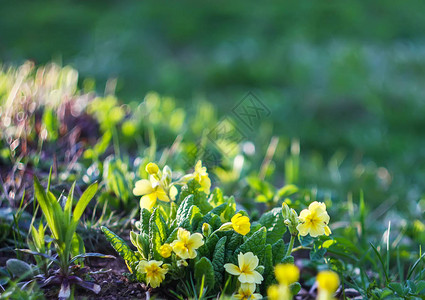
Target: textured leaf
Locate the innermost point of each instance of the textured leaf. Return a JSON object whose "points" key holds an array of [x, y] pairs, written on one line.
{"points": [[279, 251], [295, 288], [274, 222], [204, 267], [184, 209], [172, 236], [157, 233], [234, 241], [268, 269], [216, 197], [145, 215], [255, 244], [121, 247], [208, 248], [218, 260], [199, 198]]}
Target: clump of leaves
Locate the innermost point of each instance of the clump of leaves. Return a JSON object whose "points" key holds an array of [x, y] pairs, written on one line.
{"points": [[62, 222], [185, 243]]}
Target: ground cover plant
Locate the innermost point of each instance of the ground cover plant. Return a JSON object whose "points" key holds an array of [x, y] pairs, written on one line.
{"points": [[160, 204]]}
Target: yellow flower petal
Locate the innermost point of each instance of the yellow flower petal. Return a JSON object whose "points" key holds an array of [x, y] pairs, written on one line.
{"points": [[162, 195], [232, 269], [196, 240], [286, 273], [327, 230], [148, 201], [328, 281], [142, 187], [250, 261]]}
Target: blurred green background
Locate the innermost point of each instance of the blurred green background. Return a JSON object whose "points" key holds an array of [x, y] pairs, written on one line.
{"points": [[345, 77]]}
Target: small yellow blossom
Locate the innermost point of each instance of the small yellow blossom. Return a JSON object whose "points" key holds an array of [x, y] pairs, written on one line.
{"points": [[279, 292], [165, 250], [286, 274], [247, 292], [327, 283], [314, 220], [248, 262], [150, 190], [187, 243], [201, 176], [152, 168], [154, 273], [241, 224]]}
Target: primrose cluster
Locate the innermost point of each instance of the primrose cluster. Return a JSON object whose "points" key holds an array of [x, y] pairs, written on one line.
{"points": [[191, 239]]}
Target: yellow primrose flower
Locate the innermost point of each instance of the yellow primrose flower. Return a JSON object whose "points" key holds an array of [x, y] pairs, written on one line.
{"points": [[327, 283], [247, 292], [201, 176], [151, 190], [279, 292], [154, 273], [286, 274], [314, 220], [152, 168], [248, 262], [241, 224], [187, 243], [165, 250]]}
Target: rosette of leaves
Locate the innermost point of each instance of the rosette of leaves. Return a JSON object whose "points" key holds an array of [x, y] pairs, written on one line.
{"points": [[206, 270], [68, 247]]}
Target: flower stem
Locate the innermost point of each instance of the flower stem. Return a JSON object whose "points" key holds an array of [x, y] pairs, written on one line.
{"points": [[291, 245]]}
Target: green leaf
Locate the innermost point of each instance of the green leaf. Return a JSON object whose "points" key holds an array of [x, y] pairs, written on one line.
{"points": [[145, 215], [255, 244], [234, 241], [274, 222], [84, 201], [295, 288], [216, 197], [199, 198], [268, 274], [317, 253], [45, 206], [141, 241], [117, 178], [77, 246], [68, 204], [397, 288], [172, 236], [218, 260], [84, 255], [208, 248], [121, 247], [204, 268], [279, 250], [183, 210], [157, 233], [287, 191]]}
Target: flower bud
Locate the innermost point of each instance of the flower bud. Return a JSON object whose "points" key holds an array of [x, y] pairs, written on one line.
{"points": [[182, 263], [152, 168], [167, 174], [206, 229], [285, 210], [165, 250]]}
